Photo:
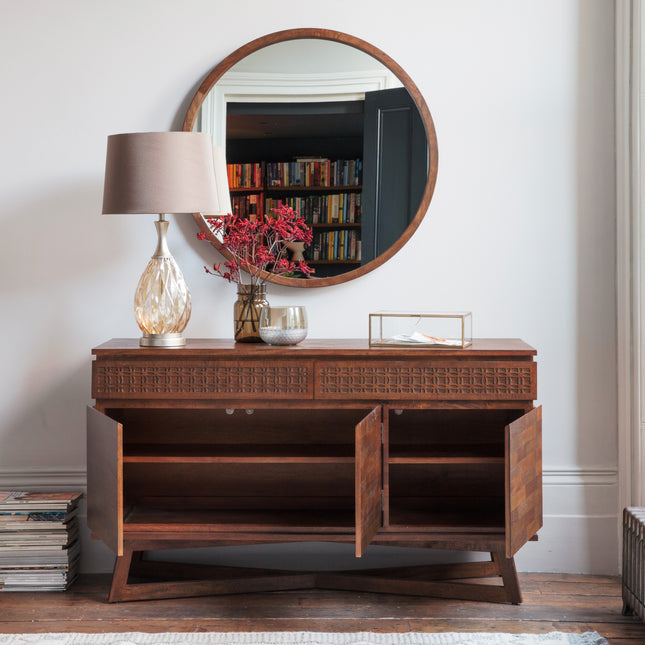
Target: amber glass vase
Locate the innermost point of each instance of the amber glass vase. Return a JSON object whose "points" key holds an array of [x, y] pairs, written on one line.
{"points": [[246, 312]]}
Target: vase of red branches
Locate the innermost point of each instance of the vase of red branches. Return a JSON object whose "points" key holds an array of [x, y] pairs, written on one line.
{"points": [[260, 248], [246, 312]]}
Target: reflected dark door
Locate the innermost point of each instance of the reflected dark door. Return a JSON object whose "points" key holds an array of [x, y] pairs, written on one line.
{"points": [[395, 168]]}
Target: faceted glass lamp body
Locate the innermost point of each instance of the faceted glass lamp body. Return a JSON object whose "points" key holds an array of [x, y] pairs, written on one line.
{"points": [[162, 300]]}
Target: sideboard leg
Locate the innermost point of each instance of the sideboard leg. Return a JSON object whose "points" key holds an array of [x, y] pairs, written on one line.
{"points": [[188, 580], [120, 576], [507, 570]]}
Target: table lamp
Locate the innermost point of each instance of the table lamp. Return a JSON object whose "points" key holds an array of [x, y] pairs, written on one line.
{"points": [[160, 172]]}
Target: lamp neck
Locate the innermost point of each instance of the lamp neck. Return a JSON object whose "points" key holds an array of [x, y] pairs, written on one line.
{"points": [[162, 250]]}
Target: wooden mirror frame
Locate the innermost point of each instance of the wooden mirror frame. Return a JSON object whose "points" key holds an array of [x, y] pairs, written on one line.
{"points": [[326, 34]]}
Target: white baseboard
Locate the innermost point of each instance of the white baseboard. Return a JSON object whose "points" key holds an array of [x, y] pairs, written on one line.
{"points": [[582, 523], [46, 479], [581, 532]]}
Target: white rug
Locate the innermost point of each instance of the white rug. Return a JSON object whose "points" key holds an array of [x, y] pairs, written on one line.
{"points": [[302, 638]]}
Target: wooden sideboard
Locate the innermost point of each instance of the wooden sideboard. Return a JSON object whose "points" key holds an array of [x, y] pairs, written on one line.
{"points": [[220, 443]]}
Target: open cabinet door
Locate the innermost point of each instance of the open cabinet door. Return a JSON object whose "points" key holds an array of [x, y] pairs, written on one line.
{"points": [[105, 479], [368, 479], [523, 480]]}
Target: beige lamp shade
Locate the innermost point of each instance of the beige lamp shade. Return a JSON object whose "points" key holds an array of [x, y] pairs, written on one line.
{"points": [[221, 179], [160, 172]]}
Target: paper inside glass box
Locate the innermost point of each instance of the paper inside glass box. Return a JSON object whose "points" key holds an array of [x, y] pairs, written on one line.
{"points": [[399, 329]]}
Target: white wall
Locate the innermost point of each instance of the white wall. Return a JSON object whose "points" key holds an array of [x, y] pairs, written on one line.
{"points": [[520, 230]]}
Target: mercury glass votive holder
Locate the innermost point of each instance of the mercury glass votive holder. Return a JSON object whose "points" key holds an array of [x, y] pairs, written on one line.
{"points": [[283, 325]]}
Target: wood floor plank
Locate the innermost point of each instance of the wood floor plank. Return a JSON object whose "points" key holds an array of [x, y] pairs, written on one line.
{"points": [[208, 625], [552, 602], [567, 588], [568, 577], [318, 605]]}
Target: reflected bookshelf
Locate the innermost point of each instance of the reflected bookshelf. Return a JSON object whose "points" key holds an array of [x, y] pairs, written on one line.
{"points": [[327, 193]]}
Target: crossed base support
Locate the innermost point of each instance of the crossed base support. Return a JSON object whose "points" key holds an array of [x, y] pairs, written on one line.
{"points": [[182, 580]]}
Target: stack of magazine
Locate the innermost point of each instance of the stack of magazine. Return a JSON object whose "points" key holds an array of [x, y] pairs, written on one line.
{"points": [[39, 541]]}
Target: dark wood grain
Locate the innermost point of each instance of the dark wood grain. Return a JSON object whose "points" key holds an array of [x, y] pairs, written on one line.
{"points": [[443, 380], [357, 347], [257, 521], [334, 441], [523, 480], [368, 480], [239, 453], [445, 454], [508, 572]]}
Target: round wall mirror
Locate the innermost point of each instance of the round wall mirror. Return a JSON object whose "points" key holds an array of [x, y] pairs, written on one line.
{"points": [[330, 125]]}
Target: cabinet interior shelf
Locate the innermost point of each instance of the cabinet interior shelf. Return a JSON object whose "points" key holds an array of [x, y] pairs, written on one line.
{"points": [[141, 518], [239, 453], [468, 521], [446, 454]]}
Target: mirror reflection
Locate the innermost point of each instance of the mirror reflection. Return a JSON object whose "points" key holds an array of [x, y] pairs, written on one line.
{"points": [[329, 130]]}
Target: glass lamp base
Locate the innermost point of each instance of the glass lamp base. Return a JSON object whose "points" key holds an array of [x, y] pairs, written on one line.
{"points": [[162, 340], [162, 300]]}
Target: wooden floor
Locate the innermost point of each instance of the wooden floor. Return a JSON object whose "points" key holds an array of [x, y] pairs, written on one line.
{"points": [[569, 603]]}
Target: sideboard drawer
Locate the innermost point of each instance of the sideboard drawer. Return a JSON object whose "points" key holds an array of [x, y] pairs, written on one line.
{"points": [[434, 380], [178, 379]]}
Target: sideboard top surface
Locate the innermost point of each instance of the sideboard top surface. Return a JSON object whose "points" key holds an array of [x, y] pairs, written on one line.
{"points": [[481, 347]]}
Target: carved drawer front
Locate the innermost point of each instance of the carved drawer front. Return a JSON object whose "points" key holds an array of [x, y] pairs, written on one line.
{"points": [[202, 380], [432, 379]]}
